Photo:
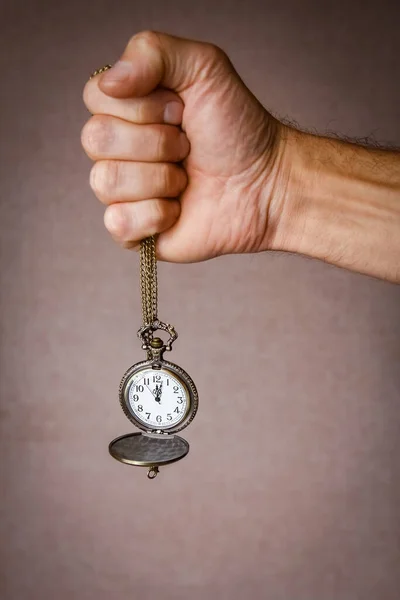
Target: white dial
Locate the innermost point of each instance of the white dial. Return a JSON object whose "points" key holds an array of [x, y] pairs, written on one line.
{"points": [[158, 398]]}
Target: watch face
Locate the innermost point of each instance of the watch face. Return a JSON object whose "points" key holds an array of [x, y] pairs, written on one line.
{"points": [[158, 399]]}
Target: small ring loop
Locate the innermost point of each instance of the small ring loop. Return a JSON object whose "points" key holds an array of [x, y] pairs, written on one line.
{"points": [[152, 472]]}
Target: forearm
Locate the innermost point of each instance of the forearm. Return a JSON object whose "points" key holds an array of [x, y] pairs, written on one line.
{"points": [[341, 204]]}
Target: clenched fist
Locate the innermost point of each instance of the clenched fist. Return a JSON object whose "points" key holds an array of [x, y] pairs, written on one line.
{"points": [[184, 150]]}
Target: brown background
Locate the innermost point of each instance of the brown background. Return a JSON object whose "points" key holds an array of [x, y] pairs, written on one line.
{"points": [[291, 490]]}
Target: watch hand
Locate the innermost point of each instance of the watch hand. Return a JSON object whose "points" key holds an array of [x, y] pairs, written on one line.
{"points": [[157, 393], [152, 393]]}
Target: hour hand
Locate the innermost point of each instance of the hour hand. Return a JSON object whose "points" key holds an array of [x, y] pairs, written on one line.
{"points": [[157, 393]]}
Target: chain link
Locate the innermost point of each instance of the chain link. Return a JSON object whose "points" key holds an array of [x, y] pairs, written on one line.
{"points": [[148, 280], [99, 71]]}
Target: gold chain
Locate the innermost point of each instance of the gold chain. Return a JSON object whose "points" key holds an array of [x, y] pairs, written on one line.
{"points": [[148, 280], [99, 71]]}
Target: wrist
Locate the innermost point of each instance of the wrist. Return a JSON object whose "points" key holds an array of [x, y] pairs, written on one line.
{"points": [[338, 202], [293, 209]]}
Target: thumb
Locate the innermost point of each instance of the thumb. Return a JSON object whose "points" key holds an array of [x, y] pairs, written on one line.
{"points": [[153, 59]]}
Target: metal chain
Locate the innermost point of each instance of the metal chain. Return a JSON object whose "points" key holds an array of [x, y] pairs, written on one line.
{"points": [[148, 280], [99, 71]]}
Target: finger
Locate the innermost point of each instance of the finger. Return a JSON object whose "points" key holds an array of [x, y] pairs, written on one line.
{"points": [[105, 137], [161, 106], [152, 59], [123, 181], [130, 222]]}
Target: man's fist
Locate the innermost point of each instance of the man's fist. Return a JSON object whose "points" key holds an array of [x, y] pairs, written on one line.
{"points": [[184, 150]]}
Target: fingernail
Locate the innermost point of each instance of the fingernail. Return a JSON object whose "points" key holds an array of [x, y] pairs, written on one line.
{"points": [[173, 113], [118, 72]]}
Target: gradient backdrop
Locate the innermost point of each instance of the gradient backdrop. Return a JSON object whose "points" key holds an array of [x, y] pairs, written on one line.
{"points": [[291, 489]]}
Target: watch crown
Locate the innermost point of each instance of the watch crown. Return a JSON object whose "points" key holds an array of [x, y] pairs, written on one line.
{"points": [[156, 343]]}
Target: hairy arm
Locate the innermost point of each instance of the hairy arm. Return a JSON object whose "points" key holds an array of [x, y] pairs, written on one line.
{"points": [[342, 204]]}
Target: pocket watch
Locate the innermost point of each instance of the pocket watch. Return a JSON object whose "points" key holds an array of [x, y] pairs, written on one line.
{"points": [[156, 395]]}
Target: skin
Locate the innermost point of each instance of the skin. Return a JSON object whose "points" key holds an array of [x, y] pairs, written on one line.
{"points": [[219, 175]]}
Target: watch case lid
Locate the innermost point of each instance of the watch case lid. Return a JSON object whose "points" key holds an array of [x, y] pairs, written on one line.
{"points": [[152, 450]]}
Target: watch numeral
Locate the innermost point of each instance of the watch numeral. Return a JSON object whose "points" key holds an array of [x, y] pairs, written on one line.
{"points": [[135, 398], [139, 388], [167, 381], [148, 415], [176, 389], [140, 408], [146, 381], [176, 409], [156, 378], [180, 400], [158, 418], [169, 417]]}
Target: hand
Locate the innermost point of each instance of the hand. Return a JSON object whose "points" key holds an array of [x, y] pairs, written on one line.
{"points": [[151, 392], [158, 392], [225, 196]]}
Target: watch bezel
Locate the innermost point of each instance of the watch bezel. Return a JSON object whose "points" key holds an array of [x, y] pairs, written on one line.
{"points": [[159, 365]]}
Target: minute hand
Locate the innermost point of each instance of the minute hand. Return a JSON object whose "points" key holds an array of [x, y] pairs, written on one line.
{"points": [[151, 392], [158, 392]]}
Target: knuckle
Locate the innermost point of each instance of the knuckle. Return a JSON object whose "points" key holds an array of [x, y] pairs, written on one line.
{"points": [[115, 221], [218, 59], [172, 181], [164, 178], [169, 180], [217, 52], [146, 37], [141, 111], [156, 215], [97, 134], [104, 177], [162, 143]]}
